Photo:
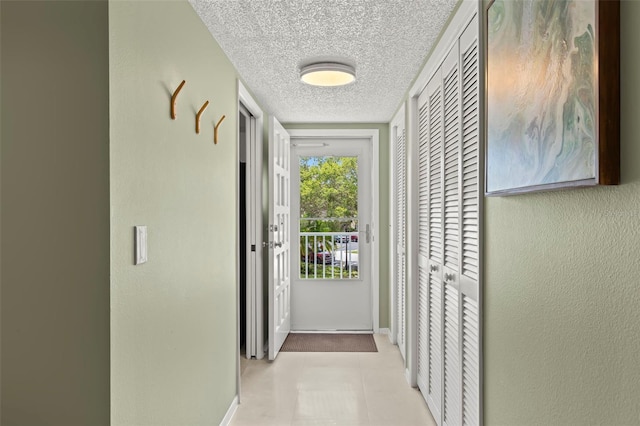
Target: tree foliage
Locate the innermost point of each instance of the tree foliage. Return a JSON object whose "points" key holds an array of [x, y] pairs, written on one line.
{"points": [[328, 189]]}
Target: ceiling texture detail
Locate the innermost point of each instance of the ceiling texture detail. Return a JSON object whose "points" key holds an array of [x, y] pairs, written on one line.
{"points": [[269, 40]]}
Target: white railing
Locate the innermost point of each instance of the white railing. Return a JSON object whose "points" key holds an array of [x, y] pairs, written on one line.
{"points": [[329, 255]]}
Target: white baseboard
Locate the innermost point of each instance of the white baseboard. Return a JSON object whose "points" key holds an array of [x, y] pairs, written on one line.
{"points": [[230, 412], [385, 331], [407, 376]]}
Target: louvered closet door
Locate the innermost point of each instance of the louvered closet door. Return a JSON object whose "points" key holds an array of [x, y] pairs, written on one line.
{"points": [[449, 238], [423, 243], [400, 206], [452, 397], [470, 221], [430, 223]]}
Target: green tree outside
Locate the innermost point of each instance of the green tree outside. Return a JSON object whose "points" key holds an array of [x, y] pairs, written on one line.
{"points": [[328, 189]]}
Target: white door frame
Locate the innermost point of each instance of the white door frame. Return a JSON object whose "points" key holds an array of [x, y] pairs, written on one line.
{"points": [[373, 136], [254, 310]]}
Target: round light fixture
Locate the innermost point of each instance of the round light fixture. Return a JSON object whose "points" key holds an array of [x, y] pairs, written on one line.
{"points": [[327, 74]]}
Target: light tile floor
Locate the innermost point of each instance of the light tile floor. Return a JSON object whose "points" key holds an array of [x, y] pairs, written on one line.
{"points": [[330, 389]]}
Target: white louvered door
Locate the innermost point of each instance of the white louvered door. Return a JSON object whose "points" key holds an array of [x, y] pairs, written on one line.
{"points": [[431, 243], [423, 244], [470, 221], [451, 234], [400, 237], [448, 290]]}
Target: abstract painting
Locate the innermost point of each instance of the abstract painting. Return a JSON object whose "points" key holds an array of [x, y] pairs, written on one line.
{"points": [[543, 94]]}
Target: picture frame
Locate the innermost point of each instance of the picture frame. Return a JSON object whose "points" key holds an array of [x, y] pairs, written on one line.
{"points": [[552, 103]]}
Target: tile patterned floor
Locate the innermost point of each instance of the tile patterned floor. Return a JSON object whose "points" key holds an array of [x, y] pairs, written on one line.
{"points": [[330, 389]]}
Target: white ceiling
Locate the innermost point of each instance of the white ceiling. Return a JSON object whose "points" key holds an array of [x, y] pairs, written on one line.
{"points": [[268, 40]]}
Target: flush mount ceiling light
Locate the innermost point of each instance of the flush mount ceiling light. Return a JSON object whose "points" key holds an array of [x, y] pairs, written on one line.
{"points": [[327, 74]]}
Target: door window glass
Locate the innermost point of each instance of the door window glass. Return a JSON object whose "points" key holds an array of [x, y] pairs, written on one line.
{"points": [[329, 217]]}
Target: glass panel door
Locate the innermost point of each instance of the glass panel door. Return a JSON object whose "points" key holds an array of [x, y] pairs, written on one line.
{"points": [[331, 218]]}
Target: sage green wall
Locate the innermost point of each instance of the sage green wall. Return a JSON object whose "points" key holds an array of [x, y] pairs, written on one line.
{"points": [[561, 307], [173, 318], [383, 242], [55, 213], [0, 215]]}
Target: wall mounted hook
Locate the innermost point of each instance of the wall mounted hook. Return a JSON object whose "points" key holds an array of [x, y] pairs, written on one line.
{"points": [[215, 130], [202, 108], [173, 100]]}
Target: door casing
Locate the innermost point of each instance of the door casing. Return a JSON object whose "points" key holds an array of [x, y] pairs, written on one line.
{"points": [[254, 225]]}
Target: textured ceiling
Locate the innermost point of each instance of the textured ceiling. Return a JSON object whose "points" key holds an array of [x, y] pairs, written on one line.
{"points": [[268, 41]]}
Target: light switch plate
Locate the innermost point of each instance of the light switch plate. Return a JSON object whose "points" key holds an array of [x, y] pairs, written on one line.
{"points": [[141, 244]]}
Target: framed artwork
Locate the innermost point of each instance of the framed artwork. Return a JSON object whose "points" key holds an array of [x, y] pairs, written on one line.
{"points": [[552, 94]]}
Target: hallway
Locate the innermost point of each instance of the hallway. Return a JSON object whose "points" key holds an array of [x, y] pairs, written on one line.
{"points": [[330, 389]]}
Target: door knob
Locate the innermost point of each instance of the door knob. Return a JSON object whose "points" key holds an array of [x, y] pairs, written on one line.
{"points": [[278, 244]]}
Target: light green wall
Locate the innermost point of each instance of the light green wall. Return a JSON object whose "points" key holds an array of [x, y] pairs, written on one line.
{"points": [[55, 213], [562, 316], [0, 215], [173, 319], [383, 202]]}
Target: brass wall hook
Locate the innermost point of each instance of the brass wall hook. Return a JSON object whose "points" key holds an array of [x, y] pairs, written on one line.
{"points": [[173, 100], [204, 106], [215, 130]]}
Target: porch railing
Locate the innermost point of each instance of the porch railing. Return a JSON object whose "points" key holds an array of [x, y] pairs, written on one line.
{"points": [[329, 255]]}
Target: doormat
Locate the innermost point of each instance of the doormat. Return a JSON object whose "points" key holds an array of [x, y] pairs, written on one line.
{"points": [[320, 342]]}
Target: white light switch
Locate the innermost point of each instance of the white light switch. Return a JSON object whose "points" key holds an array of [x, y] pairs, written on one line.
{"points": [[141, 244]]}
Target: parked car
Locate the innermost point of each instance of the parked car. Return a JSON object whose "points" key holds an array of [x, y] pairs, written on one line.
{"points": [[345, 238], [320, 257]]}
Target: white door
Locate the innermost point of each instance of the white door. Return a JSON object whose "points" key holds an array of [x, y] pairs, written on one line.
{"points": [[332, 270], [449, 206], [470, 226], [279, 237], [430, 250], [399, 191], [451, 392]]}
